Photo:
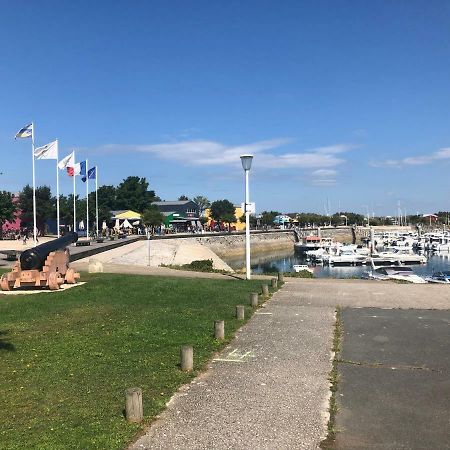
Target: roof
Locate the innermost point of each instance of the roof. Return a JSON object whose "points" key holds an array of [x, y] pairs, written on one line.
{"points": [[128, 214], [177, 203]]}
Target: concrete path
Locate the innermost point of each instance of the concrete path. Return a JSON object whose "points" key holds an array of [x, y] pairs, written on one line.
{"points": [[394, 388], [267, 390]]}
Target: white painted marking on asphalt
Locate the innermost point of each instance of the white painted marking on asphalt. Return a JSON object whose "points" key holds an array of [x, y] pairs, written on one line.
{"points": [[264, 313], [236, 356]]}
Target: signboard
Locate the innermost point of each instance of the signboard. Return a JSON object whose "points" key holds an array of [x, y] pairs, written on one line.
{"points": [[251, 207]]}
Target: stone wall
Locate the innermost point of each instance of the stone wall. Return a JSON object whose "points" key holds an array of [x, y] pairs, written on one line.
{"points": [[234, 244]]}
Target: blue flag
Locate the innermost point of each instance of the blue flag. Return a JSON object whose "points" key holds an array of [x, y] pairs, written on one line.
{"points": [[92, 173], [83, 170]]}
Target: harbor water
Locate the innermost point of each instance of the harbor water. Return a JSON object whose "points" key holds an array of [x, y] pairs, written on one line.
{"points": [[283, 261]]}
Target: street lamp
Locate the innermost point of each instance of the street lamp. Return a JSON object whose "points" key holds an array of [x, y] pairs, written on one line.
{"points": [[246, 165]]}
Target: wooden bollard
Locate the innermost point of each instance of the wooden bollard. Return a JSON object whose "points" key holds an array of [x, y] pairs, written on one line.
{"points": [[280, 277], [240, 312], [219, 329], [187, 358], [265, 290], [254, 299], [274, 283], [134, 412]]}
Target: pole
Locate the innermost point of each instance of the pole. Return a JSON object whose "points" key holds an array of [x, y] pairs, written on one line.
{"points": [[247, 228], [74, 199], [57, 188], [87, 201], [96, 198], [34, 185]]}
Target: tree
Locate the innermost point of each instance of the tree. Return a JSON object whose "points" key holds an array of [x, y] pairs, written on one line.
{"points": [[182, 198], [8, 208], [202, 202], [152, 217], [267, 217], [133, 194], [107, 197], [223, 211], [45, 206]]}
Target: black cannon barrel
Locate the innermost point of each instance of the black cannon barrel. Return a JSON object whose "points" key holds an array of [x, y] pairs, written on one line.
{"points": [[35, 257]]}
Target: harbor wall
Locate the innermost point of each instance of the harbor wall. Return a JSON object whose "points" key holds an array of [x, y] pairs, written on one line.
{"points": [[233, 245]]}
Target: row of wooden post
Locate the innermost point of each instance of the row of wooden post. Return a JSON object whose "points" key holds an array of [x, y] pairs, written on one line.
{"points": [[133, 397]]}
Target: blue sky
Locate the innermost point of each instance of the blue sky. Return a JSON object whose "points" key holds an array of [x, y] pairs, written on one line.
{"points": [[346, 103]]}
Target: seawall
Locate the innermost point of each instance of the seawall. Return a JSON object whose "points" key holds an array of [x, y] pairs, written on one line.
{"points": [[233, 245]]}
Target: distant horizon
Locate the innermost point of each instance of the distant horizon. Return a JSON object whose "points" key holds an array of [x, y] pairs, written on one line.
{"points": [[344, 107]]}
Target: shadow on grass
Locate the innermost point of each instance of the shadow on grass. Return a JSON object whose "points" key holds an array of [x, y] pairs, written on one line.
{"points": [[4, 344]]}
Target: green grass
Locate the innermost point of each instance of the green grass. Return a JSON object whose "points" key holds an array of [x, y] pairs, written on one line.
{"points": [[66, 358]]}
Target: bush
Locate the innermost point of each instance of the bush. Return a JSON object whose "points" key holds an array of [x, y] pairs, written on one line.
{"points": [[200, 265], [301, 274]]}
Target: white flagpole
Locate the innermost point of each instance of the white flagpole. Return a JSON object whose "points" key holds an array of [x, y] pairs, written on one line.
{"points": [[74, 201], [57, 188], [96, 198], [87, 200], [34, 185]]}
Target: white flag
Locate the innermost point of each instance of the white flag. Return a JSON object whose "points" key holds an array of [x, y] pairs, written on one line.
{"points": [[66, 162], [48, 151]]}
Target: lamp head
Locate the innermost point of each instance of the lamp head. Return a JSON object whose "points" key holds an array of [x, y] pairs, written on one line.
{"points": [[246, 161]]}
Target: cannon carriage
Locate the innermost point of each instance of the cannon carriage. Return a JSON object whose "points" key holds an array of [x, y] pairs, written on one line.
{"points": [[46, 265]]}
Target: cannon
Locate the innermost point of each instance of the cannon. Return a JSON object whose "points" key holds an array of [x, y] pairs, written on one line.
{"points": [[46, 265]]}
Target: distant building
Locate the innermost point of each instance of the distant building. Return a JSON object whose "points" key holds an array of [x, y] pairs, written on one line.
{"points": [[237, 225], [185, 208], [181, 215]]}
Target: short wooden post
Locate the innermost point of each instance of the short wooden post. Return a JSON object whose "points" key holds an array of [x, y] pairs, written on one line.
{"points": [[274, 283], [265, 290], [134, 411], [219, 329], [240, 312], [280, 277], [187, 358], [254, 299]]}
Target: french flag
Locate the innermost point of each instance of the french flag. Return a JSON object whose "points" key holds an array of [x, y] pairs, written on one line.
{"points": [[74, 170]]}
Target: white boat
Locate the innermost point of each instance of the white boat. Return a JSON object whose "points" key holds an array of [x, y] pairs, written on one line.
{"points": [[398, 273], [345, 256], [301, 267], [397, 256]]}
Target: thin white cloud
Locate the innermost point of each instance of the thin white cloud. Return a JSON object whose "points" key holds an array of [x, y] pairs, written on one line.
{"points": [[441, 154], [323, 177], [211, 153]]}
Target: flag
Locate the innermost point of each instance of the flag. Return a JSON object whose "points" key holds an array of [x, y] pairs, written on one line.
{"points": [[83, 170], [92, 173], [74, 170], [48, 151], [25, 132], [66, 161]]}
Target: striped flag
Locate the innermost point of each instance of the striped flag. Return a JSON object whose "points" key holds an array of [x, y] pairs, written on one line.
{"points": [[25, 132], [67, 161], [74, 170], [48, 151]]}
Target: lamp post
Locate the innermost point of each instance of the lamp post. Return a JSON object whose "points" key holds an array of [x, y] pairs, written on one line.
{"points": [[246, 165]]}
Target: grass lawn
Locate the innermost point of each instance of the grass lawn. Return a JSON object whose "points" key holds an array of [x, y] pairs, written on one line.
{"points": [[66, 358]]}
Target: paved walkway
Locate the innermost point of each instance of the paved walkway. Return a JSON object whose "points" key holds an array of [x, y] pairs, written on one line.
{"points": [[269, 389]]}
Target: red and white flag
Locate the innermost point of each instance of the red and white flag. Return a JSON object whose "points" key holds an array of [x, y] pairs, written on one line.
{"points": [[74, 170]]}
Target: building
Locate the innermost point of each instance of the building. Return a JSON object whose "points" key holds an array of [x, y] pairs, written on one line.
{"points": [[181, 215], [185, 208], [236, 225]]}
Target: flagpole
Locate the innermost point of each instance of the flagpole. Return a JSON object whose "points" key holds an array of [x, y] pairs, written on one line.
{"points": [[57, 188], [87, 200], [74, 201], [96, 198], [34, 185]]}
